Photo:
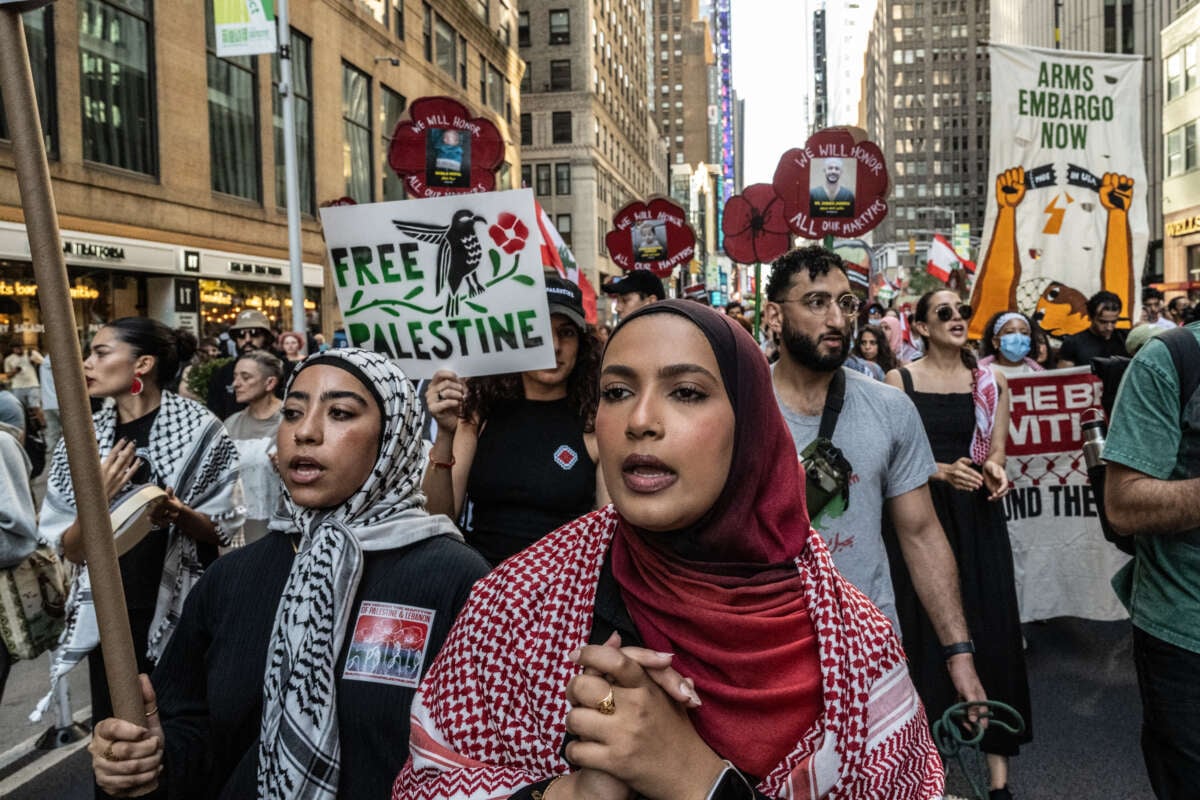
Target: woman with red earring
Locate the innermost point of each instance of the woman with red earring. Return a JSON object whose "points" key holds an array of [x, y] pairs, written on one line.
{"points": [[146, 435]]}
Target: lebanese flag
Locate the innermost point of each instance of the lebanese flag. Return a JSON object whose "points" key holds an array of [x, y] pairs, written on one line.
{"points": [[943, 260], [557, 256]]}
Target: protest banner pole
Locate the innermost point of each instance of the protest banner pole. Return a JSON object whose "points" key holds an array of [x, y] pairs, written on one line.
{"points": [[290, 169], [50, 272], [758, 309]]}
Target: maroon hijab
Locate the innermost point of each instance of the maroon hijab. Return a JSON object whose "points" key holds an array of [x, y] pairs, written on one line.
{"points": [[725, 594]]}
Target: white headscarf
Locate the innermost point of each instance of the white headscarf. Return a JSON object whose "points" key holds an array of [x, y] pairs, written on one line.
{"points": [[299, 754]]}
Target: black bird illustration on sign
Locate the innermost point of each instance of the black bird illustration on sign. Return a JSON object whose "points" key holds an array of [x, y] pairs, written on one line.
{"points": [[458, 255]]}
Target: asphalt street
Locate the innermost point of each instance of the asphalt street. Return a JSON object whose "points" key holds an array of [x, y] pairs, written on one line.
{"points": [[1086, 725]]}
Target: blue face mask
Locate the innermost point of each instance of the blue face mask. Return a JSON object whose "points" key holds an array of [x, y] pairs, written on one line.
{"points": [[1014, 346]]}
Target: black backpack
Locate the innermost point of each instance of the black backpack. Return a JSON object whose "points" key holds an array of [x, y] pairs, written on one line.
{"points": [[35, 443], [1185, 355]]}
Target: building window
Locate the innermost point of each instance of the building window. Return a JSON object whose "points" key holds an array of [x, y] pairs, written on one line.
{"points": [[462, 61], [601, 227], [481, 9], [1193, 263], [1190, 72], [301, 62], [482, 79], [444, 40], [543, 180], [495, 89], [560, 127], [391, 107], [1181, 149], [356, 125], [1174, 75], [39, 36], [376, 8], [526, 176], [523, 29], [427, 30], [232, 119], [563, 223], [560, 26], [398, 18], [527, 78], [526, 129], [562, 178], [117, 92], [560, 75], [506, 33]]}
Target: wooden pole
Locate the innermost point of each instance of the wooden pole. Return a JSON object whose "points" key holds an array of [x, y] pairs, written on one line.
{"points": [[58, 317]]}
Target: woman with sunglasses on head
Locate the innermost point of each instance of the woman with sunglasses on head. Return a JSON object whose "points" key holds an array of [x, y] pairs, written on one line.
{"points": [[965, 410], [146, 434], [1008, 341], [297, 657], [693, 640]]}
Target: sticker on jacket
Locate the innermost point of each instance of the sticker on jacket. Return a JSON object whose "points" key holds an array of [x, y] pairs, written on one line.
{"points": [[389, 644]]}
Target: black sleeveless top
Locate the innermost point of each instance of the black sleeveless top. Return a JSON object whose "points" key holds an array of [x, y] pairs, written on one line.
{"points": [[530, 475]]}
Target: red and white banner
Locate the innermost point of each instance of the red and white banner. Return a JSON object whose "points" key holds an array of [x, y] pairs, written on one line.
{"points": [[943, 260], [1062, 562], [557, 256]]}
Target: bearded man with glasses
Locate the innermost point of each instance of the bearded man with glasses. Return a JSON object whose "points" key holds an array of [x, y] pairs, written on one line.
{"points": [[250, 331], [877, 436]]}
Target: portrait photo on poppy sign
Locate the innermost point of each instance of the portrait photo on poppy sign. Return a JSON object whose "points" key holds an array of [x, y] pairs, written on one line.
{"points": [[448, 158], [831, 187]]}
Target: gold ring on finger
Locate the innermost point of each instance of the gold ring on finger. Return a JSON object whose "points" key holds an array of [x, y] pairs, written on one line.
{"points": [[108, 754], [607, 706]]}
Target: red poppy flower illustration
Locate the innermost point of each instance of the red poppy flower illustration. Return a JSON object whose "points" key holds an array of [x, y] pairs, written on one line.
{"points": [[837, 184], [652, 236], [509, 233], [441, 149], [755, 227]]}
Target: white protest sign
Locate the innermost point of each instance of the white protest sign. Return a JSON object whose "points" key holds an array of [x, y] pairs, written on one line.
{"points": [[443, 283]]}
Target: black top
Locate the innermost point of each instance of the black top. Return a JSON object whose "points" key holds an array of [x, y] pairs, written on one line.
{"points": [[531, 474], [209, 681], [1082, 347]]}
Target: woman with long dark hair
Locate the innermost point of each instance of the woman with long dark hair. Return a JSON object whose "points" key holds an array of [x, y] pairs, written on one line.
{"points": [[515, 455], [872, 345], [1008, 340], [693, 639], [146, 434], [965, 410], [297, 657]]}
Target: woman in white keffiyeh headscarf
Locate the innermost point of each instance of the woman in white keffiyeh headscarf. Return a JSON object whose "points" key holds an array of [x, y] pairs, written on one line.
{"points": [[270, 625]]}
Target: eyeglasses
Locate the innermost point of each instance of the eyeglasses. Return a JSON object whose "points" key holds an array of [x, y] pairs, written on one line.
{"points": [[945, 312], [248, 333], [820, 304]]}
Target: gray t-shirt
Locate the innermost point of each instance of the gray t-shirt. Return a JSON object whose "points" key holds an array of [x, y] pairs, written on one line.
{"points": [[881, 435], [243, 426]]}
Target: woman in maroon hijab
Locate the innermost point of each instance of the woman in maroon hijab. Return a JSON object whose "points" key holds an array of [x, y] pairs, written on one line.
{"points": [[691, 640]]}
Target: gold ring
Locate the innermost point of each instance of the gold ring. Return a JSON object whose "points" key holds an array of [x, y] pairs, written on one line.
{"points": [[607, 706], [151, 712], [108, 754]]}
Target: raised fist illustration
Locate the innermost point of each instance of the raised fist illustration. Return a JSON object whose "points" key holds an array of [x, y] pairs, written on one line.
{"points": [[1010, 187], [1116, 191]]}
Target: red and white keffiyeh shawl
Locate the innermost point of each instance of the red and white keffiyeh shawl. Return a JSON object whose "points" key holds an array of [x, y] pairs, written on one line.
{"points": [[986, 396], [490, 717]]}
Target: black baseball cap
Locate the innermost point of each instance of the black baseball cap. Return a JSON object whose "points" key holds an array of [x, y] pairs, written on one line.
{"points": [[642, 281], [565, 298]]}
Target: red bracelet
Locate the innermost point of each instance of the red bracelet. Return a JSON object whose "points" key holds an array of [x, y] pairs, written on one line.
{"points": [[441, 464]]}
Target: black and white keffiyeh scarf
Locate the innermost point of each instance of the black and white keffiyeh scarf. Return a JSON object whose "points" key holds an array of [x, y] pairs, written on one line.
{"points": [[189, 451], [299, 753]]}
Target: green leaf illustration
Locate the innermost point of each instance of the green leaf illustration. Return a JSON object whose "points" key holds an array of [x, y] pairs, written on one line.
{"points": [[389, 310], [414, 293], [475, 307], [495, 262], [524, 280], [357, 296]]}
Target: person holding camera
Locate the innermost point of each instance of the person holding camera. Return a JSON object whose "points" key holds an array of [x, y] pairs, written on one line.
{"points": [[965, 412], [875, 448]]}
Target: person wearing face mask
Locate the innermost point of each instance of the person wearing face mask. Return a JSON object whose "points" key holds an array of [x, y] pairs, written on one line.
{"points": [[787, 681], [1007, 344]]}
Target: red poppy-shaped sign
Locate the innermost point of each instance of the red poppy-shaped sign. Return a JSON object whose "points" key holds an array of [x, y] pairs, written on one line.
{"points": [[755, 225], [441, 149], [654, 237], [836, 185]]}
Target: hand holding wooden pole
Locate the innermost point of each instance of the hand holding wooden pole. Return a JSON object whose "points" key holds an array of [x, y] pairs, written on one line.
{"points": [[58, 317]]}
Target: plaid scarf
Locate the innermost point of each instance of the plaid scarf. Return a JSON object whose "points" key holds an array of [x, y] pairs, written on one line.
{"points": [[189, 451], [299, 752], [490, 717]]}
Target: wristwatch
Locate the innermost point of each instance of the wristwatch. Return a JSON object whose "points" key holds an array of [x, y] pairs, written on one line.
{"points": [[951, 650], [731, 785]]}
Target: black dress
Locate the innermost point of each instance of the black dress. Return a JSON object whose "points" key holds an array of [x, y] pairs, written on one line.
{"points": [[978, 536]]}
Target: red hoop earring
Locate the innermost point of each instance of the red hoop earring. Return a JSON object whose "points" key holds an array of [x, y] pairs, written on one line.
{"points": [[136, 387]]}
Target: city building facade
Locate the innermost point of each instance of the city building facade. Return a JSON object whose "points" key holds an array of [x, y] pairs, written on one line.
{"points": [[1181, 161], [589, 144], [167, 161]]}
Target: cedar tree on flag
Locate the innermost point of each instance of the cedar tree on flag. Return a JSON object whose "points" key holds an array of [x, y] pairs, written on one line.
{"points": [[943, 260]]}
